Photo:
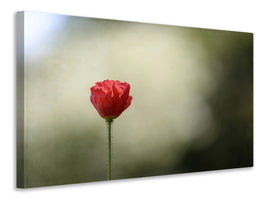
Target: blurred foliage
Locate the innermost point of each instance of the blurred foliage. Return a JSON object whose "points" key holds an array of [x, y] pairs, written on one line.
{"points": [[232, 105]]}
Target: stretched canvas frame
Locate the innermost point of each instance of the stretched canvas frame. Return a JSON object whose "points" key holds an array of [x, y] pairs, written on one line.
{"points": [[101, 99]]}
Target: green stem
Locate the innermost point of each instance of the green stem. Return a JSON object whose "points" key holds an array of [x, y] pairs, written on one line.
{"points": [[109, 148]]}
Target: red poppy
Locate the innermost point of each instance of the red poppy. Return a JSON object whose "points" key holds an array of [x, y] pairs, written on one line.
{"points": [[110, 98]]}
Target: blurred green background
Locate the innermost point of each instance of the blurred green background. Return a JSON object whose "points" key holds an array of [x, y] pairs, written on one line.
{"points": [[192, 107]]}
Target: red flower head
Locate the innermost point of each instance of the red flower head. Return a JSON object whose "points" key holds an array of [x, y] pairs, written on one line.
{"points": [[110, 98]]}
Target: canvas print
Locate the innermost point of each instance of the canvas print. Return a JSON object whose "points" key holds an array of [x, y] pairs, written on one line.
{"points": [[101, 100]]}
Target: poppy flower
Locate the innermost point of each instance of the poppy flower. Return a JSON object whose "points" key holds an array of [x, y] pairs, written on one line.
{"points": [[110, 98]]}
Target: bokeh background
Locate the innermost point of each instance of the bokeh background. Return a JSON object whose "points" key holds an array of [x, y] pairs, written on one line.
{"points": [[192, 107]]}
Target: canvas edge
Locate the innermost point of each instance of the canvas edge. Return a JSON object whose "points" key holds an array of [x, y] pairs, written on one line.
{"points": [[19, 33]]}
